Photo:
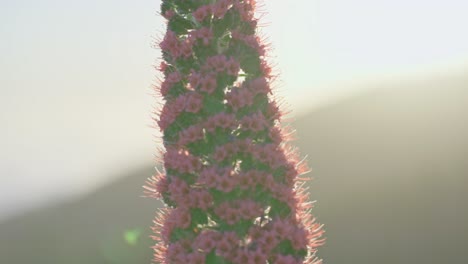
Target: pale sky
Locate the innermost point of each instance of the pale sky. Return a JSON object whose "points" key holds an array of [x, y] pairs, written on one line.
{"points": [[75, 76]]}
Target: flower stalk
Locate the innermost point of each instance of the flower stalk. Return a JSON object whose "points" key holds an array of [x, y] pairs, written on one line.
{"points": [[233, 187]]}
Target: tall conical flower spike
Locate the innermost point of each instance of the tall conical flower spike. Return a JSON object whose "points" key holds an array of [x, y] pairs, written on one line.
{"points": [[232, 185]]}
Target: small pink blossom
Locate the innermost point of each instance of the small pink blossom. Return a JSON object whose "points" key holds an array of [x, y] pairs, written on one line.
{"points": [[203, 199], [239, 98], [259, 85], [205, 34], [232, 67], [194, 79], [225, 183], [171, 44], [206, 241], [255, 122], [202, 12], [209, 177], [208, 83], [196, 258], [194, 102], [220, 8], [186, 48], [169, 14], [190, 135], [166, 117], [220, 154], [225, 121], [218, 63]]}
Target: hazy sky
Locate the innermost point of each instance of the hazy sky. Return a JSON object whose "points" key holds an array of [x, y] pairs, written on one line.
{"points": [[75, 76]]}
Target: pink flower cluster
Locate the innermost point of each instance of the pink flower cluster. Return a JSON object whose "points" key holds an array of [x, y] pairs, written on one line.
{"points": [[244, 96], [204, 34], [255, 123], [232, 212], [181, 160], [251, 41], [232, 184], [172, 78], [189, 102], [176, 47], [206, 79], [252, 249], [220, 8], [185, 196]]}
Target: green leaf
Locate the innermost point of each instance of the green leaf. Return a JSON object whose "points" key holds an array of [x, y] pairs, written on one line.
{"points": [[199, 217], [179, 25], [212, 105], [212, 258]]}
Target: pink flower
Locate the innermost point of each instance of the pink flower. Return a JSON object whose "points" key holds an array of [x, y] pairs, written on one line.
{"points": [[226, 121], [171, 44], [196, 258], [208, 84], [169, 14], [156, 186], [174, 77], [242, 256], [268, 240], [281, 228], [273, 112], [178, 105], [227, 213], [265, 69], [249, 209], [220, 8], [257, 257], [203, 199], [179, 190], [175, 252], [224, 249], [205, 34], [180, 217], [210, 124], [162, 66], [218, 63], [202, 12], [259, 85], [299, 239], [194, 79], [220, 154], [225, 183], [255, 122], [209, 177], [166, 118], [245, 181], [206, 241], [186, 48], [232, 67], [194, 103], [190, 135], [239, 98], [245, 9]]}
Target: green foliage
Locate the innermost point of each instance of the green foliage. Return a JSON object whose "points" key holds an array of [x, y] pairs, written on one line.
{"points": [[212, 258]]}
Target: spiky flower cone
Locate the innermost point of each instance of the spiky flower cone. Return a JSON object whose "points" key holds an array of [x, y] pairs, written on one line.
{"points": [[232, 186]]}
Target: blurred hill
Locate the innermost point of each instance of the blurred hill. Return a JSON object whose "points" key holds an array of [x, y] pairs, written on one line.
{"points": [[390, 176], [391, 173]]}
